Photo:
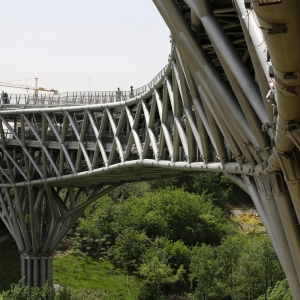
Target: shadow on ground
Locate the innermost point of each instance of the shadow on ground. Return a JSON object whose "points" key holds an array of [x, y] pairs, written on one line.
{"points": [[10, 267]]}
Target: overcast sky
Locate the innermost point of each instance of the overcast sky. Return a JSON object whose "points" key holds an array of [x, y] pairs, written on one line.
{"points": [[115, 43]]}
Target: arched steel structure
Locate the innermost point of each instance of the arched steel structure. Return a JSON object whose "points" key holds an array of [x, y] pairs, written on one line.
{"points": [[227, 101]]}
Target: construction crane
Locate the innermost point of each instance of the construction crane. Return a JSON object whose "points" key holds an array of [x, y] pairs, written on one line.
{"points": [[36, 88]]}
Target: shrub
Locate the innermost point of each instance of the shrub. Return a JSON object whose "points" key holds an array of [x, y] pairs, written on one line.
{"points": [[18, 292], [92, 294]]}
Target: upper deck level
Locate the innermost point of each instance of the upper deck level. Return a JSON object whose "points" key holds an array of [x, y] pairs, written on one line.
{"points": [[17, 101]]}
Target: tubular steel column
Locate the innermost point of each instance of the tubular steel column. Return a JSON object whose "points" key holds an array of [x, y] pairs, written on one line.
{"points": [[48, 218], [36, 270]]}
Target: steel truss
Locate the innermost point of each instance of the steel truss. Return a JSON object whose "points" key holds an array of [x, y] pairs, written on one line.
{"points": [[220, 105]]}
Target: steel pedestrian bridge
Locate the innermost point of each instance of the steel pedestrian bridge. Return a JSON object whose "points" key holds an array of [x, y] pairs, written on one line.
{"points": [[227, 101]]}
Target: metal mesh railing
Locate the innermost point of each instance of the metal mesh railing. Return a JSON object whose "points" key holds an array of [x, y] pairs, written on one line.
{"points": [[79, 98]]}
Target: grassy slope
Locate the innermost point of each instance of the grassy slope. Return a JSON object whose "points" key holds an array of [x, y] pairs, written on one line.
{"points": [[74, 271], [79, 271]]}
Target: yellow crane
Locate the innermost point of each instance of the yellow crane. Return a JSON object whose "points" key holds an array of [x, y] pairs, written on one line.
{"points": [[36, 88]]}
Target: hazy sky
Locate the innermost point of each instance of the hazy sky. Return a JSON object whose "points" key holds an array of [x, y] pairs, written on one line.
{"points": [[115, 43]]}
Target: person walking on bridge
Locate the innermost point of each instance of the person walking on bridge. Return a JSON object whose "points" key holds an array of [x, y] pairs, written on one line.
{"points": [[119, 94], [131, 94]]}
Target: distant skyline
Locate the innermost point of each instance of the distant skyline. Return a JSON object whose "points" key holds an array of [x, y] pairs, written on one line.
{"points": [[82, 44]]}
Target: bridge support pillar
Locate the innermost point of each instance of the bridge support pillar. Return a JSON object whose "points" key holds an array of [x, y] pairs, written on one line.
{"points": [[36, 270], [38, 218]]}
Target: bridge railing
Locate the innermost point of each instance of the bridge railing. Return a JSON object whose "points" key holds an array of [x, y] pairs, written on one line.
{"points": [[79, 98]]}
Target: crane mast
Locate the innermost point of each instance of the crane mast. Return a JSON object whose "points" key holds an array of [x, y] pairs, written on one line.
{"points": [[35, 88]]}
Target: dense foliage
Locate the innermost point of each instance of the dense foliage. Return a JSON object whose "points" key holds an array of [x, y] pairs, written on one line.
{"points": [[179, 242], [175, 235], [18, 292], [216, 184], [280, 291]]}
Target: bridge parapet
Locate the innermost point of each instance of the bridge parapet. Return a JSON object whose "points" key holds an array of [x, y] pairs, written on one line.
{"points": [[81, 97]]}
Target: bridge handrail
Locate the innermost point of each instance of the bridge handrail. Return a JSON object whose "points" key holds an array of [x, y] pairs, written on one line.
{"points": [[84, 97]]}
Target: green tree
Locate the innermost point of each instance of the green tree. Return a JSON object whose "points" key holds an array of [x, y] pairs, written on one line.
{"points": [[127, 190], [222, 189], [202, 272], [158, 276], [176, 257], [130, 246], [176, 215], [227, 257], [96, 230], [281, 291], [235, 270], [178, 253], [250, 272]]}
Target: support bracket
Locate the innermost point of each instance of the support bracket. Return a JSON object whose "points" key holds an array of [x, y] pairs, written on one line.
{"points": [[277, 28]]}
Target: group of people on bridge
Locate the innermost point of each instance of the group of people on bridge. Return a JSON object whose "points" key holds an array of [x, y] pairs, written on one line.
{"points": [[4, 98], [119, 93]]}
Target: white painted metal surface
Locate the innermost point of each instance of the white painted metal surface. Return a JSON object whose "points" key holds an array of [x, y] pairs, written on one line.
{"points": [[228, 101]]}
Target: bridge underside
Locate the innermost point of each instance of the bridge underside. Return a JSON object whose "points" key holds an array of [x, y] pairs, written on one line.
{"points": [[227, 101]]}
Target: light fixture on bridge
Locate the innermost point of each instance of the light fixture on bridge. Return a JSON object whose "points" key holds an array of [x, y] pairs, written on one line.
{"points": [[290, 75], [268, 2]]}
